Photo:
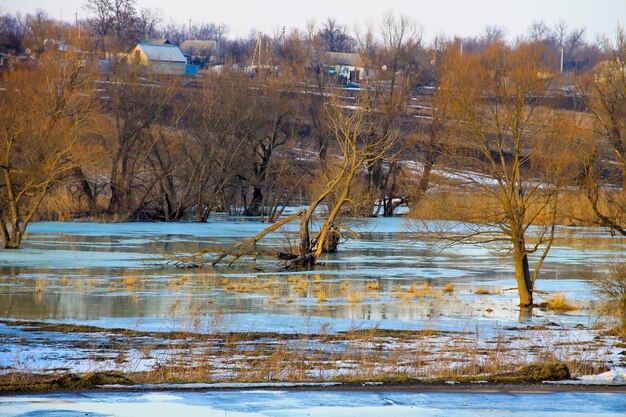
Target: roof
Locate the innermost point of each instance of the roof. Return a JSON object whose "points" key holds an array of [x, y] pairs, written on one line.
{"points": [[343, 58], [170, 53], [603, 67], [198, 47], [156, 42]]}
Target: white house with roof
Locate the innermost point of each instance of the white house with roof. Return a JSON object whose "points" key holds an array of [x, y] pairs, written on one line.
{"points": [[159, 59], [348, 66]]}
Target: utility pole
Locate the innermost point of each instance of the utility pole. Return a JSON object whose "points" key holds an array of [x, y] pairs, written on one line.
{"points": [[189, 31], [77, 25], [283, 36], [561, 60], [219, 43]]}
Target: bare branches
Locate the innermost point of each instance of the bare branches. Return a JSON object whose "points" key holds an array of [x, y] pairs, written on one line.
{"points": [[513, 153], [43, 112], [241, 248]]}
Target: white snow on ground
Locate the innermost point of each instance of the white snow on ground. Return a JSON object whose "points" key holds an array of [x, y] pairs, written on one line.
{"points": [[615, 376]]}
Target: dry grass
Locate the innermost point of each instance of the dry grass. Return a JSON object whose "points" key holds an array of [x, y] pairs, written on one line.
{"points": [[131, 281], [558, 302], [180, 280], [449, 288], [575, 208], [207, 352], [320, 295], [354, 297], [40, 285], [484, 291]]}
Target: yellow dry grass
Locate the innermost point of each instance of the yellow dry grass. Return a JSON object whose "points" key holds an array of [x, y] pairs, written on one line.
{"points": [[558, 302]]}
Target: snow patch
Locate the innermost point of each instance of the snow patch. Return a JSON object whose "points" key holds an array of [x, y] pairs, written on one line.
{"points": [[615, 376]]}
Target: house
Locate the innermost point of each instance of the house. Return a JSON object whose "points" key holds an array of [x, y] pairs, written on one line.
{"points": [[159, 59], [199, 52], [347, 66], [609, 71]]}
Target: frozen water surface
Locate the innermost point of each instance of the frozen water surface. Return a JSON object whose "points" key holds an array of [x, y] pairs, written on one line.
{"points": [[112, 275], [313, 403]]}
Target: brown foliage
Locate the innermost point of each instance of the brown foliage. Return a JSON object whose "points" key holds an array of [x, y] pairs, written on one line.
{"points": [[43, 111]]}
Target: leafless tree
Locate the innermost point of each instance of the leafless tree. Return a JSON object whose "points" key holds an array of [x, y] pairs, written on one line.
{"points": [[514, 152], [605, 94], [335, 36], [43, 112], [136, 108], [12, 33], [395, 61], [118, 24]]}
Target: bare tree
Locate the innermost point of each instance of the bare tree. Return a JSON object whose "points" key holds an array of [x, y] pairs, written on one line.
{"points": [[43, 113], [114, 22], [493, 34], [514, 152], [12, 33], [356, 149], [223, 118], [539, 31], [278, 114], [605, 94], [136, 109], [335, 36], [396, 62]]}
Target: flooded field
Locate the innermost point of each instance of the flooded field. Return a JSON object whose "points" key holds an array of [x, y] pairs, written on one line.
{"points": [[386, 290], [114, 275]]}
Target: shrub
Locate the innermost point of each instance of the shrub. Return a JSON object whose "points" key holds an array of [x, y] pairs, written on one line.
{"points": [[611, 287]]}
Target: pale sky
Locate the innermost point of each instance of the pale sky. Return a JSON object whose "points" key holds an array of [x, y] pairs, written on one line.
{"points": [[453, 17]]}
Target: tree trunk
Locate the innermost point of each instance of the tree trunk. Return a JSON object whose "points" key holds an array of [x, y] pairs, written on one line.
{"points": [[119, 204], [623, 175], [12, 237], [255, 206], [332, 242], [85, 189], [305, 237], [522, 273], [391, 205]]}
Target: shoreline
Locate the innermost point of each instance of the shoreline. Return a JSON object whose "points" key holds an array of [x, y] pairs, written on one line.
{"points": [[512, 388]]}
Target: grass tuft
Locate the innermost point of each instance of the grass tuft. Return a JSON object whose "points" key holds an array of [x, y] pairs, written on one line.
{"points": [[559, 303], [354, 297]]}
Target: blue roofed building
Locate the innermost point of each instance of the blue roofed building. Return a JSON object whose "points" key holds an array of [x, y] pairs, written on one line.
{"points": [[159, 59]]}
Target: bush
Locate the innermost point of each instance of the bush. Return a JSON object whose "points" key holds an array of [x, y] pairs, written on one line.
{"points": [[611, 287]]}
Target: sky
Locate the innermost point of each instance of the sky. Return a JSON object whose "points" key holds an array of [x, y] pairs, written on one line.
{"points": [[452, 17]]}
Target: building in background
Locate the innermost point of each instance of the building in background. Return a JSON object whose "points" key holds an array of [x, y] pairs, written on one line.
{"points": [[162, 59]]}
